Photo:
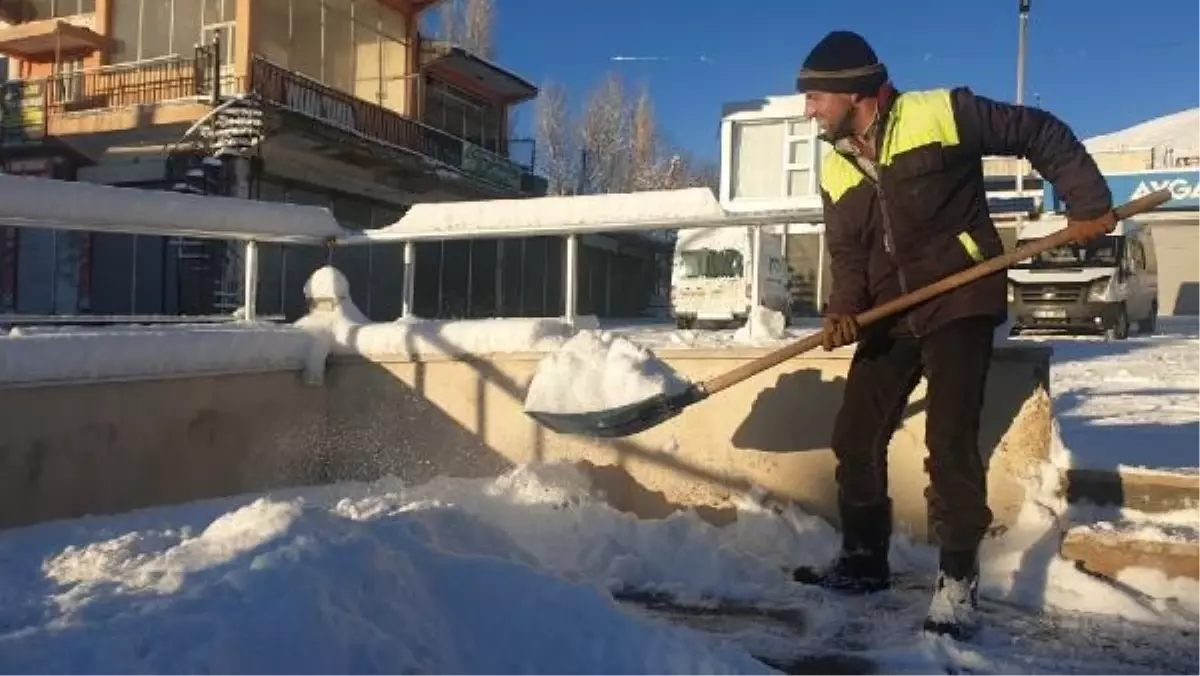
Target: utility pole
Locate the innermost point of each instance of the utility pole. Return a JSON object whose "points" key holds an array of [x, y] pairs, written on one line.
{"points": [[1023, 28]]}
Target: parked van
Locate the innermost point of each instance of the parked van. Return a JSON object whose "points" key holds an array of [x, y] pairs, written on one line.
{"points": [[1104, 286], [712, 272]]}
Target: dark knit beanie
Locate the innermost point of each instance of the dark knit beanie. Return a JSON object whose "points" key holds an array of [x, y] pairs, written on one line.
{"points": [[843, 63]]}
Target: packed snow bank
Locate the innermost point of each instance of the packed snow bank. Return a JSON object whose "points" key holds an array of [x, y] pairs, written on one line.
{"points": [[453, 337], [99, 353], [502, 575], [596, 371], [1023, 567], [366, 583], [762, 325], [1134, 405], [335, 318]]}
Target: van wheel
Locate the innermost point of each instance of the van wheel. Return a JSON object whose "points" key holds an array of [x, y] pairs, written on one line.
{"points": [[1120, 328], [1148, 324], [683, 323]]}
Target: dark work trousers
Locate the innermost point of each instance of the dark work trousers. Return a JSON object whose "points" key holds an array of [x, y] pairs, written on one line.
{"points": [[885, 370]]}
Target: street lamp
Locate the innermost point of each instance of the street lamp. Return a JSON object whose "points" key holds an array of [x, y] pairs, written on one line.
{"points": [[1023, 13]]}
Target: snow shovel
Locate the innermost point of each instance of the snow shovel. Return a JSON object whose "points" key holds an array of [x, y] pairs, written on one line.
{"points": [[637, 417]]}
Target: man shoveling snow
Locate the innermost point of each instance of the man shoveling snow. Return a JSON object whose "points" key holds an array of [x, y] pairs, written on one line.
{"points": [[905, 206]]}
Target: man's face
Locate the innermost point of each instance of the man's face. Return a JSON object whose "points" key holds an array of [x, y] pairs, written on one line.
{"points": [[832, 111]]}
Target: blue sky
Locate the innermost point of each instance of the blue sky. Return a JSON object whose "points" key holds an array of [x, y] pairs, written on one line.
{"points": [[1101, 65]]}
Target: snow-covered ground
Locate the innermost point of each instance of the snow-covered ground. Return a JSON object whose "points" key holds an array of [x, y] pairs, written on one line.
{"points": [[518, 574], [530, 573]]}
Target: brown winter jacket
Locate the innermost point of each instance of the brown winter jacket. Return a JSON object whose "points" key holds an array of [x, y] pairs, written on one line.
{"points": [[927, 217]]}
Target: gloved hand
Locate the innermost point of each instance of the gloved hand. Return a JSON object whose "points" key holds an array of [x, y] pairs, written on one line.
{"points": [[838, 330], [1088, 230]]}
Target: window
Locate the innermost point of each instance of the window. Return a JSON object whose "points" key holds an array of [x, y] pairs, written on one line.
{"points": [[709, 264], [772, 159], [149, 29], [463, 115], [355, 46], [34, 10], [1137, 257], [800, 177], [757, 164]]}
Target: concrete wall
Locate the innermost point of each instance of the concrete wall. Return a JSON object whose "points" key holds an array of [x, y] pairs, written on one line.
{"points": [[71, 450], [1175, 246]]}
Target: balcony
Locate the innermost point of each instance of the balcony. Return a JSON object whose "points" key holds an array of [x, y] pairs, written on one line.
{"points": [[36, 111]]}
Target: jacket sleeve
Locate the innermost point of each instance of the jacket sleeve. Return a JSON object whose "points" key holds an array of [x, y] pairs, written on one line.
{"points": [[848, 264], [995, 128]]}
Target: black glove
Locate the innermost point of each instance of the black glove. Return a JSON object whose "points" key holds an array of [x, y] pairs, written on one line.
{"points": [[1095, 228], [839, 330]]}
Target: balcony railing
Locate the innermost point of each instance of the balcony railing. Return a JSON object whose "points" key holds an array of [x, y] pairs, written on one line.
{"points": [[287, 89], [27, 106]]}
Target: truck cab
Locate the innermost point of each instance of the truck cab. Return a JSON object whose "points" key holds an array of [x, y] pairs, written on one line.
{"points": [[712, 277], [1105, 286]]}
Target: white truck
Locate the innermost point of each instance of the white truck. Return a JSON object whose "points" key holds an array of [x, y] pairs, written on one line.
{"points": [[1104, 286], [713, 272]]}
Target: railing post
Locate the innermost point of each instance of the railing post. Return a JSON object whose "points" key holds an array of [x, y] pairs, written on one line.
{"points": [[410, 293], [571, 291], [250, 290]]}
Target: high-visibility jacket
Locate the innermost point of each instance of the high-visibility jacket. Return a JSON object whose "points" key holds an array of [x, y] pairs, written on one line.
{"points": [[919, 213]]}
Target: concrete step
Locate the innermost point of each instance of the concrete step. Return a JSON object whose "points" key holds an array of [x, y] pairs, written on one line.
{"points": [[1109, 548], [1144, 491]]}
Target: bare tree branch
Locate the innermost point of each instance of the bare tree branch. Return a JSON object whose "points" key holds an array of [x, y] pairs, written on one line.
{"points": [[451, 21], [556, 151], [478, 23], [606, 137]]}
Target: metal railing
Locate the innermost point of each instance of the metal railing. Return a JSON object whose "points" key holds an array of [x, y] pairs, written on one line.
{"points": [[29, 106], [277, 85]]}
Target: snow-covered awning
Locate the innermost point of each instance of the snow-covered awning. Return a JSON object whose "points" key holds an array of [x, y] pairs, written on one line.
{"points": [[69, 205], [571, 215]]}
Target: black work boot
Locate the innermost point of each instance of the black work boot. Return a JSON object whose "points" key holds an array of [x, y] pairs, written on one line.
{"points": [[954, 611], [861, 567]]}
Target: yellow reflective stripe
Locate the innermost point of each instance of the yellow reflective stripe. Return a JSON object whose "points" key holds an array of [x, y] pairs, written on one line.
{"points": [[968, 243], [838, 175], [919, 119]]}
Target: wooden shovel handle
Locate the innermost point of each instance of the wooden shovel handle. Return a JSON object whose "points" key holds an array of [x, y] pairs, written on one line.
{"points": [[992, 265]]}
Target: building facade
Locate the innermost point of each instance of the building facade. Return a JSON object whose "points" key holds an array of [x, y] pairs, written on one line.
{"points": [[336, 103]]}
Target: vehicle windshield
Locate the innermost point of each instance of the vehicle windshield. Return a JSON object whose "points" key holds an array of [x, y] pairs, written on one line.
{"points": [[1101, 253], [709, 264]]}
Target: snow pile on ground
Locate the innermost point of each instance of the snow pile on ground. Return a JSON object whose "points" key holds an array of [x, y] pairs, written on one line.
{"points": [[597, 370], [1133, 404], [505, 575], [1180, 131], [99, 353], [762, 325], [281, 584]]}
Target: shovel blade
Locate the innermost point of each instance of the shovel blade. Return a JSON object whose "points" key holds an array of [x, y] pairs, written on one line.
{"points": [[622, 421]]}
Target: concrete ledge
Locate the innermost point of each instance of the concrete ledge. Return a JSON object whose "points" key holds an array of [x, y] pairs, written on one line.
{"points": [[1143, 491], [73, 449], [1108, 554]]}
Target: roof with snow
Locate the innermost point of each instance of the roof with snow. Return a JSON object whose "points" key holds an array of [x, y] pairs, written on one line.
{"points": [[70, 205], [1180, 131], [566, 215]]}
